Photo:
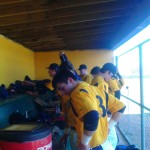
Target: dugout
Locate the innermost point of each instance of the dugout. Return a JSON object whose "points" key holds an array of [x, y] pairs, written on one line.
{"points": [[33, 33]]}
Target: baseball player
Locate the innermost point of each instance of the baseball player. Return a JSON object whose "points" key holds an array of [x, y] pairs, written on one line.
{"points": [[52, 70], [89, 105], [98, 79], [84, 74]]}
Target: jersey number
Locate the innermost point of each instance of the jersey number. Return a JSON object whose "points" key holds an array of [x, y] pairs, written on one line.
{"points": [[101, 105]]}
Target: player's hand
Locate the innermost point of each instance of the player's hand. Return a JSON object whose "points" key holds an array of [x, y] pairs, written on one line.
{"points": [[119, 76], [83, 147], [61, 53]]}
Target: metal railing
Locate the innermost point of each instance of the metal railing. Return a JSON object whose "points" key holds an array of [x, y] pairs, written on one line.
{"points": [[135, 127]]}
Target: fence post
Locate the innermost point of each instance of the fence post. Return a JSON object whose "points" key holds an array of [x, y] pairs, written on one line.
{"points": [[141, 98]]}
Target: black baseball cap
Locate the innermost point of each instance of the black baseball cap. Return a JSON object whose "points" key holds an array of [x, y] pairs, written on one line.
{"points": [[95, 70], [109, 67], [53, 66], [83, 66]]}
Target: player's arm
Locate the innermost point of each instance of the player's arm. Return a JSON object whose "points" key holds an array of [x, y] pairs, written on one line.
{"points": [[117, 108], [120, 81], [115, 118], [90, 125], [114, 104], [63, 57]]}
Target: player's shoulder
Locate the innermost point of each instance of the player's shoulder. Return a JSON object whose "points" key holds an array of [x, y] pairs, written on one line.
{"points": [[89, 76], [113, 80], [99, 78], [83, 87]]}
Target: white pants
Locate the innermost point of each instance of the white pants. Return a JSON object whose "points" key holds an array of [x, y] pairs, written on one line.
{"points": [[107, 145], [112, 137]]}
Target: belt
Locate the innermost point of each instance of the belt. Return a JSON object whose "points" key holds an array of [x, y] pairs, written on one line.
{"points": [[73, 128]]}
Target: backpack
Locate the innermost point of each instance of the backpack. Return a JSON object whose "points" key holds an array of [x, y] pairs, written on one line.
{"points": [[16, 118]]}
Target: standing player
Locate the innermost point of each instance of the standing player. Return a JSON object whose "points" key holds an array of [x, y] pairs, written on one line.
{"points": [[99, 79], [43, 86], [119, 79], [84, 74], [52, 70], [66, 64], [70, 135], [90, 106]]}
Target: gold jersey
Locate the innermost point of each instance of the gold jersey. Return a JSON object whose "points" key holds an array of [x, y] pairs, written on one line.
{"points": [[67, 110], [100, 83], [87, 79], [86, 98], [49, 86], [113, 86]]}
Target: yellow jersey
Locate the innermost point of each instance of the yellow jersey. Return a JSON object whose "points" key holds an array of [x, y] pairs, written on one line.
{"points": [[67, 110], [113, 86], [87, 78], [100, 83], [49, 86], [86, 98]]}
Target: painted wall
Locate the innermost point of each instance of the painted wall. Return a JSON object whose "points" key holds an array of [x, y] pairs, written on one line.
{"points": [[89, 57], [16, 61]]}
